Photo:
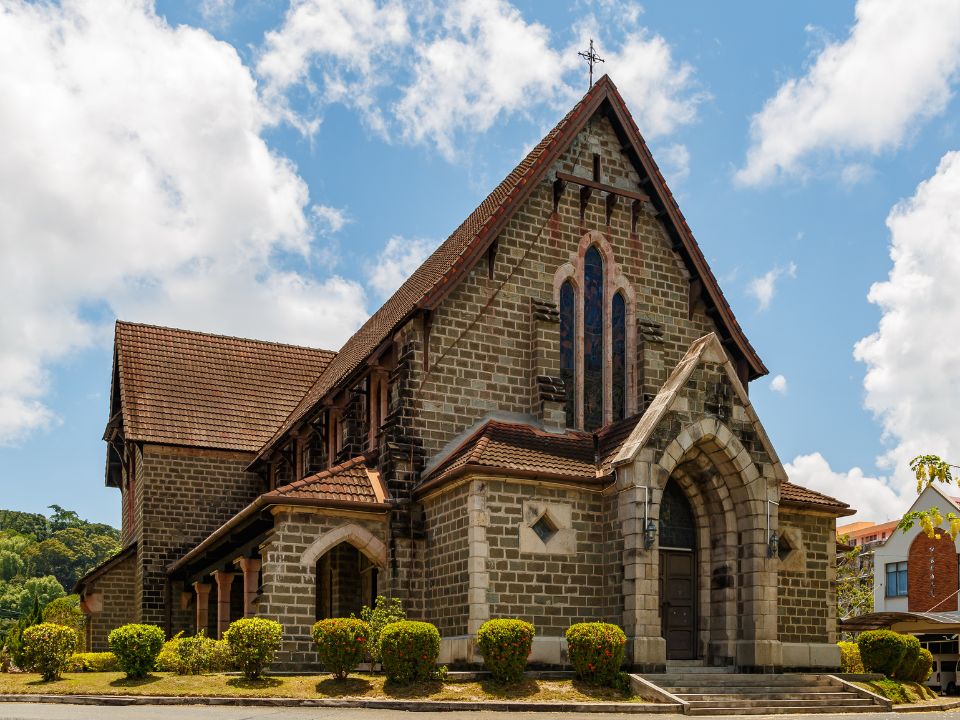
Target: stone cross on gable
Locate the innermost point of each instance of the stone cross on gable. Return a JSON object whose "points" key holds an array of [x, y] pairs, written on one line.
{"points": [[591, 57]]}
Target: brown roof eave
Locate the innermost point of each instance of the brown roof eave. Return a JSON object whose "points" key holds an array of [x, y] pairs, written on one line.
{"points": [[103, 567], [474, 469], [832, 510]]}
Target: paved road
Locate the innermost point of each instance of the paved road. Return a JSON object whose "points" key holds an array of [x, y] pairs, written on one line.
{"points": [[46, 711]]}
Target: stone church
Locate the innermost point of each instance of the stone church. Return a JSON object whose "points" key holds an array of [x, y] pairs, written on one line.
{"points": [[549, 420]]}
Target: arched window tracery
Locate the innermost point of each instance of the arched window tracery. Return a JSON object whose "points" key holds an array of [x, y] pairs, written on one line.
{"points": [[595, 304]]}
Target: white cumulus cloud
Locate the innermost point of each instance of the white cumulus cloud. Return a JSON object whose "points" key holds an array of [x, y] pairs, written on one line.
{"points": [[135, 181], [763, 288], [400, 257], [440, 74], [865, 93], [913, 359], [871, 496], [779, 384]]}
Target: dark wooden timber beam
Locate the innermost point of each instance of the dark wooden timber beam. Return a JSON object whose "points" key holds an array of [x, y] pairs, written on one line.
{"points": [[558, 187], [611, 203], [602, 187], [634, 214], [585, 193]]}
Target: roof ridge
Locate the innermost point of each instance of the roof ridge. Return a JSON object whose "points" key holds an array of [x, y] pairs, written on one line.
{"points": [[220, 336]]}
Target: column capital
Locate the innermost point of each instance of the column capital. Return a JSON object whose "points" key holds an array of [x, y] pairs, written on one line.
{"points": [[223, 578], [250, 565], [202, 588]]}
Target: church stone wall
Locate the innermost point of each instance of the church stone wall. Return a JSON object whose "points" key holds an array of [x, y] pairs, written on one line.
{"points": [[183, 495], [115, 588], [447, 552], [550, 588], [806, 599], [481, 341]]}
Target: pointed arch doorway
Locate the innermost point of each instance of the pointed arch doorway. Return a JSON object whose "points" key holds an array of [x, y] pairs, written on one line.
{"points": [[678, 574]]}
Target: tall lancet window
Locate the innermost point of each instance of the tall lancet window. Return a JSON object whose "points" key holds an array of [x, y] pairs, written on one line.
{"points": [[618, 321], [592, 340], [568, 329]]}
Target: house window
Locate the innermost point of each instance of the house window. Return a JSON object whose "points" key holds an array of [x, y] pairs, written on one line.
{"points": [[897, 579]]}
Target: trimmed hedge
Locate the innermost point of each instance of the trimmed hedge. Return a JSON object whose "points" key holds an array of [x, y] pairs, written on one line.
{"points": [[505, 645], [136, 647], [920, 671], [253, 643], [341, 644], [881, 650], [379, 616], [92, 662], [47, 647], [409, 650], [908, 662], [596, 651], [186, 655]]}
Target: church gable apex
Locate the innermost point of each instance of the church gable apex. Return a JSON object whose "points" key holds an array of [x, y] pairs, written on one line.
{"points": [[704, 351]]}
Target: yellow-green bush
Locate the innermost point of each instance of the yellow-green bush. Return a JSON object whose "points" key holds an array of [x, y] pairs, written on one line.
{"points": [[136, 647], [409, 650], [505, 645], [341, 644], [253, 643], [46, 648], [850, 661], [92, 662], [881, 650]]}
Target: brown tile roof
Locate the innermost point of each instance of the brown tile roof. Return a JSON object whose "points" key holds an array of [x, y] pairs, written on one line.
{"points": [[189, 388], [520, 449], [441, 271], [796, 495], [349, 482]]}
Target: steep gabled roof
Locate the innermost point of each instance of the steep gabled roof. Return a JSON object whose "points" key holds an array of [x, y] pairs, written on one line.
{"points": [[798, 496], [195, 389], [427, 286]]}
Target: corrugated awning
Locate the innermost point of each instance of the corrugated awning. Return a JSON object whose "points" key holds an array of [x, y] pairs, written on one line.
{"points": [[875, 620]]}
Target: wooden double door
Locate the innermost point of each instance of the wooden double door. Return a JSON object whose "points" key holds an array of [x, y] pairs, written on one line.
{"points": [[678, 596]]}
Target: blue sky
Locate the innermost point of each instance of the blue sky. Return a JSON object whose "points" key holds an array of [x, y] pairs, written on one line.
{"points": [[257, 169]]}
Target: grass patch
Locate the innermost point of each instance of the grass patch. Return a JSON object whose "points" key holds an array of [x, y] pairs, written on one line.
{"points": [[899, 692], [360, 686]]}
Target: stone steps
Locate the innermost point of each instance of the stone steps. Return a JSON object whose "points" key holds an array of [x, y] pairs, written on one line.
{"points": [[710, 692]]}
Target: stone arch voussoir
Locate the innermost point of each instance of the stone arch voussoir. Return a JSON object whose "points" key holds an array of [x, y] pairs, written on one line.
{"points": [[362, 539]]}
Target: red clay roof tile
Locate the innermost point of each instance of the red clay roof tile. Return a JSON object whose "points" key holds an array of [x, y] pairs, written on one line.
{"points": [[188, 388]]}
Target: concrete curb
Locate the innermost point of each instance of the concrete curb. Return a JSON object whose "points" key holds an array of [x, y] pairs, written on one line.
{"points": [[927, 707], [409, 705]]}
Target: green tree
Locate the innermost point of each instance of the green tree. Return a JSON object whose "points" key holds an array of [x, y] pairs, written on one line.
{"points": [[929, 469], [18, 597], [854, 583], [11, 565], [31, 524]]}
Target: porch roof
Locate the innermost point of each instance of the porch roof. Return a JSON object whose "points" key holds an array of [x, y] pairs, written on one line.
{"points": [[351, 485], [936, 621]]}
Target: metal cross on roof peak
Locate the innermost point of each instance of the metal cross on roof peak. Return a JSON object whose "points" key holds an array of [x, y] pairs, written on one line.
{"points": [[591, 57]]}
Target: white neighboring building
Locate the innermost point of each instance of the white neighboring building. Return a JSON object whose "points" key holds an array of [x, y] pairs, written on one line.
{"points": [[914, 573]]}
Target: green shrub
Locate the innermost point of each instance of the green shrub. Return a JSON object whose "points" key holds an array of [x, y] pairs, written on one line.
{"points": [[92, 662], [409, 650], [505, 646], [253, 642], [194, 655], [341, 644], [14, 641], [881, 650], [904, 670], [920, 672], [46, 648], [850, 661], [66, 611], [168, 660], [596, 651], [219, 658], [378, 617], [136, 647]]}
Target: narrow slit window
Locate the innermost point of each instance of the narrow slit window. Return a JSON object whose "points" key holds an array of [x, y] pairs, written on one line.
{"points": [[618, 319], [592, 340], [568, 316]]}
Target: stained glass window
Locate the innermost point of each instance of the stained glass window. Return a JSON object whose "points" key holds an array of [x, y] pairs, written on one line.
{"points": [[618, 318], [592, 340], [677, 529], [568, 317]]}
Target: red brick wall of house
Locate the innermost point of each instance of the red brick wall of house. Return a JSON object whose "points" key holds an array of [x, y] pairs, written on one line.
{"points": [[932, 574]]}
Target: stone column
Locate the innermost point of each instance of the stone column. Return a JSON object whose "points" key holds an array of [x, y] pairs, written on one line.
{"points": [[224, 581], [478, 578], [203, 598], [251, 580]]}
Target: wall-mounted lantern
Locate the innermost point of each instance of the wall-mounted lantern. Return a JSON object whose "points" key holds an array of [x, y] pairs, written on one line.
{"points": [[649, 534]]}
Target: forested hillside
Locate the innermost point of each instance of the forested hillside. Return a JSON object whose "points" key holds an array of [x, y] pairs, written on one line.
{"points": [[43, 557]]}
